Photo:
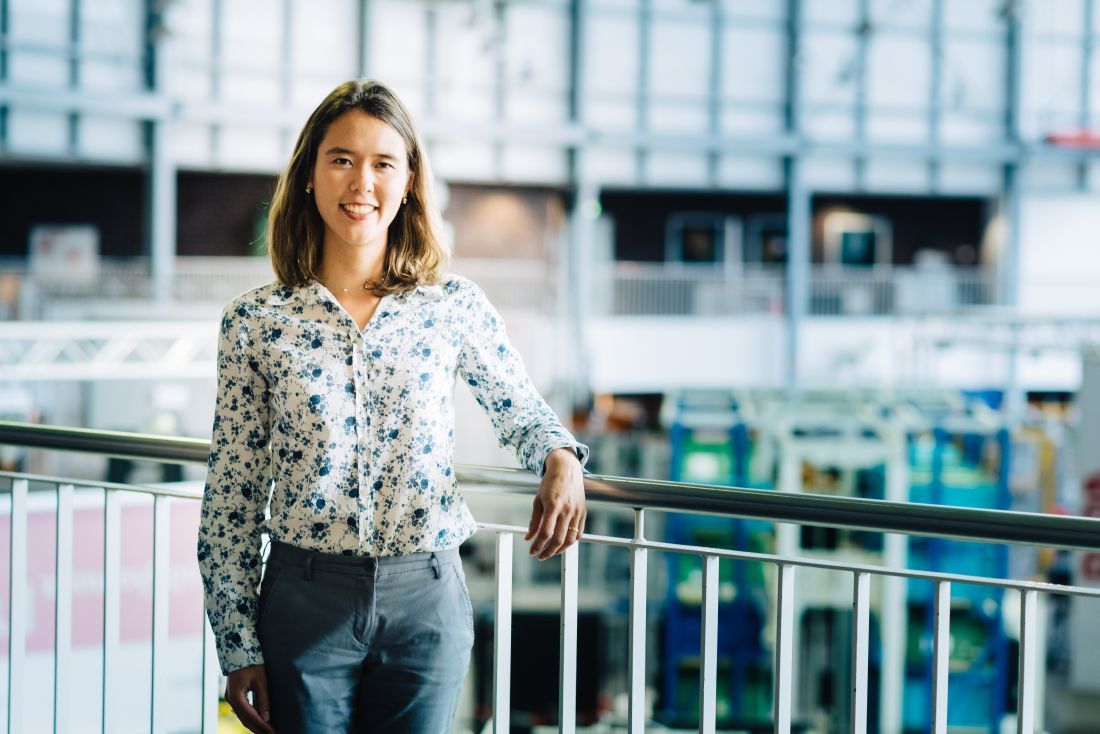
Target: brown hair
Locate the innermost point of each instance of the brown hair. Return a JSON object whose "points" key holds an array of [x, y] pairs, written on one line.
{"points": [[415, 251]]}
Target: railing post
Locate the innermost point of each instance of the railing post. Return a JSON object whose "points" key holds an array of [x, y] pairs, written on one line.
{"points": [[1025, 688], [708, 648], [63, 608], [637, 651], [861, 650], [158, 648], [112, 530], [784, 649], [941, 648], [502, 636], [210, 678], [17, 603], [567, 652]]}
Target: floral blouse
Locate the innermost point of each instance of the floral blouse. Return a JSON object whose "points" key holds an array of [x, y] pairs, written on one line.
{"points": [[347, 437]]}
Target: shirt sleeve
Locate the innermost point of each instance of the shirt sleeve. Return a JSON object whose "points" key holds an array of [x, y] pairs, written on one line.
{"points": [[235, 496], [493, 369]]}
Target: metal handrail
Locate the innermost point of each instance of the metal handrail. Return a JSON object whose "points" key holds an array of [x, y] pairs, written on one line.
{"points": [[989, 526]]}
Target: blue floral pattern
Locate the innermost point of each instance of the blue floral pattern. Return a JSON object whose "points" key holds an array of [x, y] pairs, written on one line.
{"points": [[346, 437]]}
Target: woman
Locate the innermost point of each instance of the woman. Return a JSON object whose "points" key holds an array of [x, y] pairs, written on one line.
{"points": [[335, 406]]}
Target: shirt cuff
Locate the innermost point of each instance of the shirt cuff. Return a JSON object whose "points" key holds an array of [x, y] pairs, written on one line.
{"points": [[234, 655], [579, 449]]}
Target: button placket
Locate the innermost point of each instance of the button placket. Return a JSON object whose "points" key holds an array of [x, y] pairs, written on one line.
{"points": [[362, 424]]}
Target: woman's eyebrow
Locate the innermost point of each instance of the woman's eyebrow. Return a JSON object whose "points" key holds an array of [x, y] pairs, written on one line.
{"points": [[336, 150]]}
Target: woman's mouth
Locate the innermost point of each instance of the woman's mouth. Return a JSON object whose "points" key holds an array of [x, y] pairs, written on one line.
{"points": [[358, 211]]}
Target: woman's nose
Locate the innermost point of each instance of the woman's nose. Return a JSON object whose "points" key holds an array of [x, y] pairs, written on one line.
{"points": [[364, 181]]}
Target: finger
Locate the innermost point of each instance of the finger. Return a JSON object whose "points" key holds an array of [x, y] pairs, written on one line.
{"points": [[546, 532], [536, 519], [259, 697], [557, 538], [247, 714], [576, 529]]}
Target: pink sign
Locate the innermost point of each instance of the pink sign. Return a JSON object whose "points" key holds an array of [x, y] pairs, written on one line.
{"points": [[185, 610]]}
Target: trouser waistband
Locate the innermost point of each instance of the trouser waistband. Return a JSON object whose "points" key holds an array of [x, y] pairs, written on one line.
{"points": [[339, 563]]}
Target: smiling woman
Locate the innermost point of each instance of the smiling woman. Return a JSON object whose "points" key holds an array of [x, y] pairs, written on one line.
{"points": [[335, 419], [358, 146], [360, 181]]}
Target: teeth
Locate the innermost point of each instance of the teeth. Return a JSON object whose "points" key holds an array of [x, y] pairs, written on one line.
{"points": [[358, 208]]}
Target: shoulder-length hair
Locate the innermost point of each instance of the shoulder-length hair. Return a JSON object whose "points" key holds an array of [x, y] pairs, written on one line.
{"points": [[415, 250]]}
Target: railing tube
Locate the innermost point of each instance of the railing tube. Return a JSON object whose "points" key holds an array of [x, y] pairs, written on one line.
{"points": [[502, 636], [567, 655], [112, 558], [637, 651], [63, 608], [861, 626], [158, 648], [784, 649], [708, 648], [941, 649], [17, 602], [1025, 687]]}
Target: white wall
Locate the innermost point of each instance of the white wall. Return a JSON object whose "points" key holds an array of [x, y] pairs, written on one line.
{"points": [[1060, 254], [642, 354]]}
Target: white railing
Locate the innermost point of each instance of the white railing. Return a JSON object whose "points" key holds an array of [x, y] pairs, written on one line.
{"points": [[527, 284], [642, 496], [680, 289], [524, 284], [615, 289]]}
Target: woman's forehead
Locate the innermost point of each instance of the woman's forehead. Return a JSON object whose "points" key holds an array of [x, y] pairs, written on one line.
{"points": [[357, 133]]}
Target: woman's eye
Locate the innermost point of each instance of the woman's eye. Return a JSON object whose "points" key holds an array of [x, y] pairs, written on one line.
{"points": [[385, 164], [341, 161]]}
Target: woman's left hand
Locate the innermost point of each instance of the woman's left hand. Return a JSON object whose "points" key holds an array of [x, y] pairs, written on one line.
{"points": [[559, 513]]}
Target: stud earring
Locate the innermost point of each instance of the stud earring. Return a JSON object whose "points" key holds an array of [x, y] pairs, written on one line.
{"points": [[404, 200], [309, 189]]}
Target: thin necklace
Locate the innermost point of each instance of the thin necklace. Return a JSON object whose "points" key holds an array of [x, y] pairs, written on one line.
{"points": [[345, 290]]}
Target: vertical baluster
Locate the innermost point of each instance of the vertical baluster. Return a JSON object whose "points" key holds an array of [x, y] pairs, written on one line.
{"points": [[784, 649], [502, 636], [861, 625], [708, 647], [210, 679], [567, 650], [1026, 704], [17, 602], [161, 518], [63, 608], [636, 656], [112, 532], [941, 648]]}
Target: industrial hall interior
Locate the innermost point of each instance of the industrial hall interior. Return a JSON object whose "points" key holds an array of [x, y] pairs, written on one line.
{"points": [[812, 287]]}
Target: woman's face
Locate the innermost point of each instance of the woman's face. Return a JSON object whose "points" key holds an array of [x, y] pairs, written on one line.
{"points": [[359, 178]]}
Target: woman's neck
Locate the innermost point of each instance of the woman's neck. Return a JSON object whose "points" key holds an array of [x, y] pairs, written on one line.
{"points": [[346, 268]]}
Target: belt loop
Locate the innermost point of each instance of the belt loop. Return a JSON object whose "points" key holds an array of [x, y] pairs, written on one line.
{"points": [[309, 567], [435, 565]]}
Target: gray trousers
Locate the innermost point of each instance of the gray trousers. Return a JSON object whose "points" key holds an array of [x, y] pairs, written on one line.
{"points": [[364, 645]]}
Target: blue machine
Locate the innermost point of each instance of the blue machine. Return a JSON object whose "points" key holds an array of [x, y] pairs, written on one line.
{"points": [[979, 690], [714, 454]]}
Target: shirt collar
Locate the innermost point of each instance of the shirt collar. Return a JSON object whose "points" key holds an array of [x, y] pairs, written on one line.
{"points": [[315, 293]]}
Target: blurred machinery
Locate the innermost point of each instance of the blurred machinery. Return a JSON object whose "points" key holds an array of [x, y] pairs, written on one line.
{"points": [[936, 447]]}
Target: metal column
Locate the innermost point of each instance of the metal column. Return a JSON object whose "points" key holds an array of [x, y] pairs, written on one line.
{"points": [[798, 200], [160, 179]]}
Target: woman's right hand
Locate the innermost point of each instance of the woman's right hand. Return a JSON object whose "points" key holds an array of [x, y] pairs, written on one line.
{"points": [[256, 713]]}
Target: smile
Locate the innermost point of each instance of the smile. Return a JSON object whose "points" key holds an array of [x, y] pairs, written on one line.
{"points": [[358, 210]]}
